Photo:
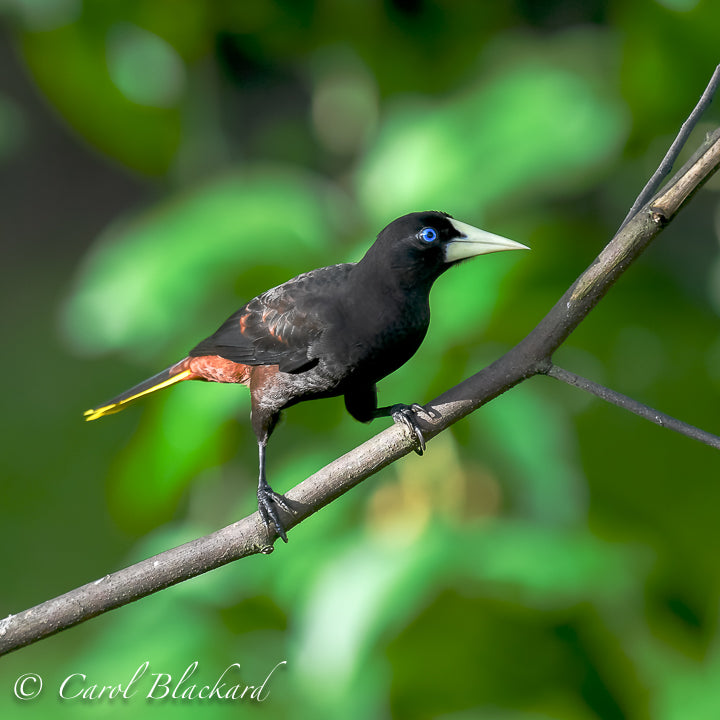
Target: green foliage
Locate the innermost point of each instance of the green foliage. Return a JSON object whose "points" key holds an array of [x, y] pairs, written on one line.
{"points": [[549, 557], [151, 269], [456, 153]]}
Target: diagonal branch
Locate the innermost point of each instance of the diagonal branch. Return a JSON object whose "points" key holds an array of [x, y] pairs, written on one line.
{"points": [[249, 536]]}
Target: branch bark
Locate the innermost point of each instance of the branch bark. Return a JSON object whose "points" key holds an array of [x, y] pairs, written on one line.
{"points": [[531, 356]]}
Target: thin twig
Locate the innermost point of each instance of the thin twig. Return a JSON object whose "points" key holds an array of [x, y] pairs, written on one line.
{"points": [[672, 154], [627, 403]]}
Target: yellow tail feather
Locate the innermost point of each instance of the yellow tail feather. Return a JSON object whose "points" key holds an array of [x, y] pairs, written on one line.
{"points": [[114, 407]]}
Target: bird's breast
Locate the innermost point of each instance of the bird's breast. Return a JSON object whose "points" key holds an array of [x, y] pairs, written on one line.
{"points": [[372, 343], [345, 361]]}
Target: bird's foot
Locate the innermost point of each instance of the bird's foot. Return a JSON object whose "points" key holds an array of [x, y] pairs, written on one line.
{"points": [[268, 503], [405, 415]]}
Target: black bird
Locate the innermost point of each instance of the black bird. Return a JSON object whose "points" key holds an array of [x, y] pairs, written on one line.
{"points": [[332, 331]]}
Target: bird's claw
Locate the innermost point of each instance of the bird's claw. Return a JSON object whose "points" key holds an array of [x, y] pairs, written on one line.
{"points": [[268, 502], [405, 414]]}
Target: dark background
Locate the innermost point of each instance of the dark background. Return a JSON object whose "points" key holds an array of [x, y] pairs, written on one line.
{"points": [[160, 162]]}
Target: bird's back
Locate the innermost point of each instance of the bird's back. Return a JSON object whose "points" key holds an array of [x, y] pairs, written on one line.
{"points": [[282, 325]]}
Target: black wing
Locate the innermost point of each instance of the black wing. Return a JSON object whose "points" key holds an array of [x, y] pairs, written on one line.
{"points": [[281, 326]]}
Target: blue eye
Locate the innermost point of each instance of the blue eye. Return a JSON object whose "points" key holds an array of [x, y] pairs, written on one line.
{"points": [[428, 234]]}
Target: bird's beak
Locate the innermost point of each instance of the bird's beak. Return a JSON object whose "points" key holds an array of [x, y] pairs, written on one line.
{"points": [[473, 241]]}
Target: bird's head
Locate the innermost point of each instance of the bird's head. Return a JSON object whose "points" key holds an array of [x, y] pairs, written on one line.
{"points": [[425, 244]]}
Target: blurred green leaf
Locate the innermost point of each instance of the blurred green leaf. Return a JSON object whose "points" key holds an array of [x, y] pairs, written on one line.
{"points": [[534, 126], [535, 442], [44, 15], [583, 567], [69, 65], [131, 51], [463, 301], [149, 278], [181, 437]]}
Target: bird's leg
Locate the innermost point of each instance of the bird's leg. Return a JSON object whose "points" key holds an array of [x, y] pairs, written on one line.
{"points": [[268, 499], [361, 403]]}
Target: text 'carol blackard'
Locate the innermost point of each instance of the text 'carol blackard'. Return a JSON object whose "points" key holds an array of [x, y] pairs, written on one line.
{"points": [[152, 686]]}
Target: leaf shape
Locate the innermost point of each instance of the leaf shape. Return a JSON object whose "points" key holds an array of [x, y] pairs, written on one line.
{"points": [[532, 127], [149, 277]]}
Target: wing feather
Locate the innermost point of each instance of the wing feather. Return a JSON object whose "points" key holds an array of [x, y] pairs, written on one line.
{"points": [[281, 326]]}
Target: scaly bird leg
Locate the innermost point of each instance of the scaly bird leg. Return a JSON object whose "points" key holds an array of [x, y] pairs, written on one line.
{"points": [[269, 500]]}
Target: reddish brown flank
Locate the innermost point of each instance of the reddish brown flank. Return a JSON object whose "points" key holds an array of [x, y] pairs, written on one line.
{"points": [[214, 369]]}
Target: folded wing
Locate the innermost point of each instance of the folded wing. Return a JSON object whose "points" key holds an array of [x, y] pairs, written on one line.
{"points": [[281, 326]]}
